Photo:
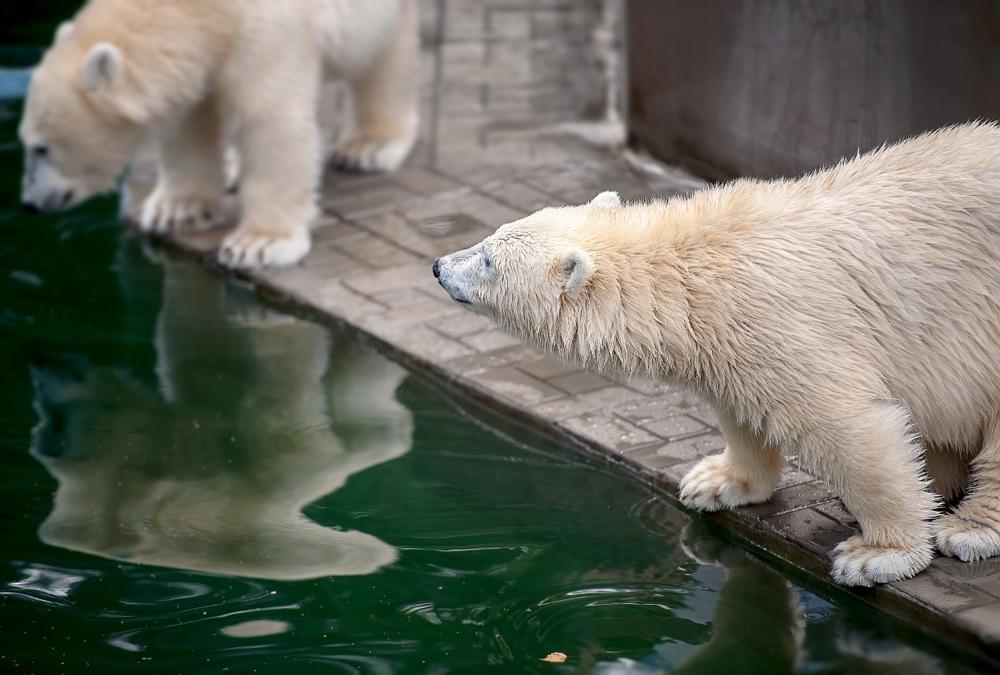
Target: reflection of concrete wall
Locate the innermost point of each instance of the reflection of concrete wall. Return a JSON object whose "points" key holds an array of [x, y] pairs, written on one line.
{"points": [[257, 415], [778, 87]]}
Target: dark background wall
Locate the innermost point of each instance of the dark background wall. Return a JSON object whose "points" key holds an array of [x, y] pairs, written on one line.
{"points": [[778, 87]]}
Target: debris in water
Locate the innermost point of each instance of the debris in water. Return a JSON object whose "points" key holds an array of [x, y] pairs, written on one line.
{"points": [[555, 657]]}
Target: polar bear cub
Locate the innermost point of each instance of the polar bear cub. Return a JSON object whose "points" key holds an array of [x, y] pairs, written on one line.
{"points": [[851, 317], [197, 76]]}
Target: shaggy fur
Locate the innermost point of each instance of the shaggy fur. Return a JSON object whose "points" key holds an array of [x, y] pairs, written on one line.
{"points": [[851, 316], [197, 75]]}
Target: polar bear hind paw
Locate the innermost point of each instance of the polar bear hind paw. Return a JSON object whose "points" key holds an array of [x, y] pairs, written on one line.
{"points": [[361, 153], [172, 212], [249, 250], [856, 563], [968, 537]]}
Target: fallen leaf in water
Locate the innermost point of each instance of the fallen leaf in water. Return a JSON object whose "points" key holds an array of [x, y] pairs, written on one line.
{"points": [[555, 657]]}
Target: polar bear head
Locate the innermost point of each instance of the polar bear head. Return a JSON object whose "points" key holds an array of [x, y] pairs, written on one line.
{"points": [[578, 281], [81, 123]]}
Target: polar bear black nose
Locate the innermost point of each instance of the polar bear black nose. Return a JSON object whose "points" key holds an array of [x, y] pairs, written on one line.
{"points": [[29, 207], [437, 269]]}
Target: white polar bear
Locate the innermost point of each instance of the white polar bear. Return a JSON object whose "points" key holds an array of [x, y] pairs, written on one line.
{"points": [[851, 316], [197, 76]]}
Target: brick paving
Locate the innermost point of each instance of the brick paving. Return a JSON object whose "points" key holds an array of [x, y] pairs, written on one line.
{"points": [[502, 80]]}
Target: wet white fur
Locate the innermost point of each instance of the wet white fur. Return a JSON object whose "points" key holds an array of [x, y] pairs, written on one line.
{"points": [[851, 316], [198, 75]]}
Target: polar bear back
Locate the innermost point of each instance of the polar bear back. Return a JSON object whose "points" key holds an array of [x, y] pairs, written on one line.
{"points": [[885, 267]]}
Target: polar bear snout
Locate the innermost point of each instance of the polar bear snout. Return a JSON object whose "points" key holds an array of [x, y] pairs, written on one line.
{"points": [[456, 273], [45, 189], [56, 201]]}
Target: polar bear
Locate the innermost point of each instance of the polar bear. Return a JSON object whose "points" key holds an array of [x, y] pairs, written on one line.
{"points": [[195, 77], [851, 316]]}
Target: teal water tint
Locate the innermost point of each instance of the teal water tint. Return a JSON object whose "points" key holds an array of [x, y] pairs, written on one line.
{"points": [[192, 483]]}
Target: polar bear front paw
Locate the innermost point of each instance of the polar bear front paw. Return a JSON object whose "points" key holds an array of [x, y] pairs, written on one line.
{"points": [[362, 153], [714, 484], [245, 249], [856, 563], [166, 211], [967, 536]]}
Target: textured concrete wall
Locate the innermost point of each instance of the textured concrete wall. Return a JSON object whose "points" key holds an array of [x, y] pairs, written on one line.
{"points": [[778, 87]]}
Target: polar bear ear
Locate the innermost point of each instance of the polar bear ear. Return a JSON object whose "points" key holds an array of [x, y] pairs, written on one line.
{"points": [[103, 67], [607, 200], [577, 268], [65, 28]]}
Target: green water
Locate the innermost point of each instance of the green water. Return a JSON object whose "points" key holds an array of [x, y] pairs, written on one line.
{"points": [[192, 483]]}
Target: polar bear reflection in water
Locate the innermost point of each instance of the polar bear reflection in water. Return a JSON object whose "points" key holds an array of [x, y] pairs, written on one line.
{"points": [[258, 415]]}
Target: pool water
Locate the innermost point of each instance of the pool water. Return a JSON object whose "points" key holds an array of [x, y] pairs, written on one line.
{"points": [[191, 482]]}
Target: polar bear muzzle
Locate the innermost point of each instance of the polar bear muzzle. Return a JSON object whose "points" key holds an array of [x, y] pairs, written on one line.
{"points": [[458, 272]]}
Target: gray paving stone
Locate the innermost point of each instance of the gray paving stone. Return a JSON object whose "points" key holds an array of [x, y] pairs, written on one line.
{"points": [[512, 384], [791, 499], [477, 363], [334, 231], [430, 237], [939, 588], [417, 339], [590, 401], [696, 447], [424, 181], [547, 367], [376, 251], [460, 323], [410, 276], [656, 457], [676, 427], [791, 477], [489, 340], [358, 202], [579, 382], [610, 431], [834, 509], [338, 300], [811, 528]]}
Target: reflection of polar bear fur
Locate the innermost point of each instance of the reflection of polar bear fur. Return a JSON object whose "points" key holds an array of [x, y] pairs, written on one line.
{"points": [[195, 74], [258, 422], [774, 640], [851, 317]]}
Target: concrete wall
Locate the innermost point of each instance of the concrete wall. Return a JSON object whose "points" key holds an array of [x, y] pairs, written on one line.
{"points": [[778, 87]]}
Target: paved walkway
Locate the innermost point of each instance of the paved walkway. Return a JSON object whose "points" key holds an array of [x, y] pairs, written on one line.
{"points": [[503, 78]]}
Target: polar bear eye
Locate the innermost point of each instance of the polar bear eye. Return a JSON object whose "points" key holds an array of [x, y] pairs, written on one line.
{"points": [[40, 150]]}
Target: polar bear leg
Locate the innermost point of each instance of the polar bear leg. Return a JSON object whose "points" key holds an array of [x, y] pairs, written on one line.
{"points": [[385, 100], [191, 178], [869, 455], [972, 530], [279, 177], [746, 472]]}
